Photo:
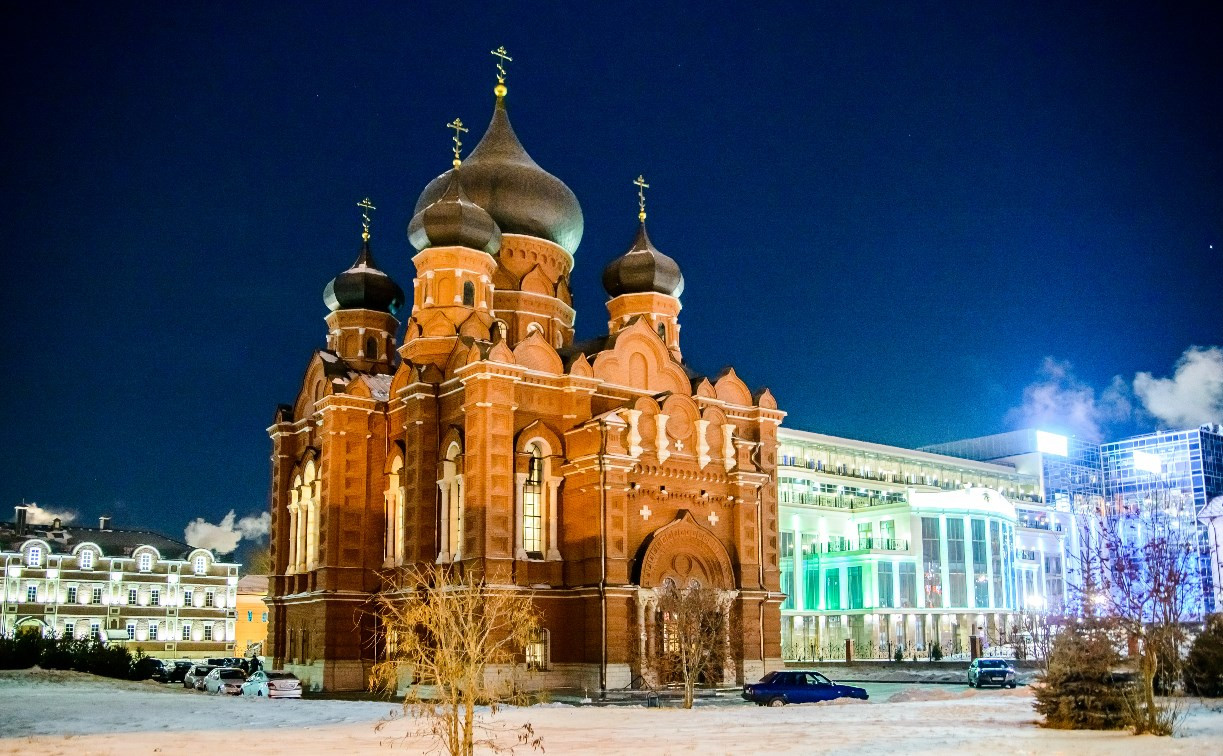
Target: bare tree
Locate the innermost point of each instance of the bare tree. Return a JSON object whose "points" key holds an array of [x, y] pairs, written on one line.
{"points": [[461, 643], [1140, 573], [695, 636]]}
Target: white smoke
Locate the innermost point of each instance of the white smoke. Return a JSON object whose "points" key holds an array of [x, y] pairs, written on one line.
{"points": [[1059, 400], [1192, 396], [223, 537], [36, 515]]}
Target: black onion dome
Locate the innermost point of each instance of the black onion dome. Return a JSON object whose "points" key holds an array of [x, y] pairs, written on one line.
{"points": [[454, 221], [643, 269], [363, 287], [522, 198]]}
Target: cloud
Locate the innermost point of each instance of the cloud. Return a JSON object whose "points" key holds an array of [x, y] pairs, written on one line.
{"points": [[36, 515], [223, 537], [1192, 396], [1059, 400]]}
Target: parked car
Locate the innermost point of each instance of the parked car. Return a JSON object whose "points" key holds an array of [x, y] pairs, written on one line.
{"points": [[226, 680], [226, 661], [180, 670], [798, 686], [273, 684], [195, 676], [991, 672], [171, 671]]}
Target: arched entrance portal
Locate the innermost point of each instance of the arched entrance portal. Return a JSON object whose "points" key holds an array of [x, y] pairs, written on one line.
{"points": [[680, 555]]}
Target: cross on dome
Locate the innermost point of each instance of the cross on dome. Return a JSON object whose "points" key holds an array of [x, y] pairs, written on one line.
{"points": [[641, 187], [366, 209], [459, 128], [502, 57]]}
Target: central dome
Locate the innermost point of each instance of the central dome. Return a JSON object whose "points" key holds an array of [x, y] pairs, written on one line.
{"points": [[523, 198]]}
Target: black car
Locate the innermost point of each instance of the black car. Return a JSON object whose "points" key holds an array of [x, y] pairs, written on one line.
{"points": [[991, 672], [798, 686], [176, 673]]}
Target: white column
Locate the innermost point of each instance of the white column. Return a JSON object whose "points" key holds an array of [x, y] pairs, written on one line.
{"points": [[292, 565], [554, 553], [944, 564], [400, 514], [520, 480], [459, 536], [443, 554], [303, 525]]}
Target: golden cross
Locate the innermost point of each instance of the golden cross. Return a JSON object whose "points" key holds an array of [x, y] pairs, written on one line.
{"points": [[366, 207], [502, 57], [457, 125], [641, 187]]}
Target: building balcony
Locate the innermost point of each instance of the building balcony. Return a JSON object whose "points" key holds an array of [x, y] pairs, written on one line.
{"points": [[838, 501], [846, 546], [1028, 556], [1032, 523]]}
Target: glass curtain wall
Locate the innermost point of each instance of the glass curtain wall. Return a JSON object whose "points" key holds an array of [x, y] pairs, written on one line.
{"points": [[932, 563], [955, 562], [786, 562], [980, 574]]}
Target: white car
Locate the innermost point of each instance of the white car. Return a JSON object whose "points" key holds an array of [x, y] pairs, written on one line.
{"points": [[225, 680], [274, 684]]}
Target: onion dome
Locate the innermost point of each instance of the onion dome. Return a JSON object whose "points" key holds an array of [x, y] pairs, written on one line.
{"points": [[454, 221], [522, 198], [363, 287], [643, 269]]}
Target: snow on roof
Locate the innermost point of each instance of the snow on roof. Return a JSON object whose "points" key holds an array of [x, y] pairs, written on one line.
{"points": [[379, 386]]}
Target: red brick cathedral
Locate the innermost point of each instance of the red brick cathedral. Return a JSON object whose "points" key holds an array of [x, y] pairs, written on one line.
{"points": [[587, 473]]}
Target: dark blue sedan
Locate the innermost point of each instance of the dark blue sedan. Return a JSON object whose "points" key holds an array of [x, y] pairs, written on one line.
{"points": [[797, 686]]}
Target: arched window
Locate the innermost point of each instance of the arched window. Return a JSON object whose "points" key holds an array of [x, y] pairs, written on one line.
{"points": [[371, 348], [662, 331], [469, 294], [450, 491], [533, 504], [394, 497]]}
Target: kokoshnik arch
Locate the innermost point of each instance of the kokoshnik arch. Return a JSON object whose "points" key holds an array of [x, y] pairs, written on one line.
{"points": [[587, 473]]}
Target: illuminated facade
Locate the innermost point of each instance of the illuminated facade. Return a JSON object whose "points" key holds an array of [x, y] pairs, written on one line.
{"points": [[896, 547], [140, 589], [1181, 471]]}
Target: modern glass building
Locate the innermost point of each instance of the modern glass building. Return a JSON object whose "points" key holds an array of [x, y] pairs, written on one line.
{"points": [[898, 547], [1180, 470]]}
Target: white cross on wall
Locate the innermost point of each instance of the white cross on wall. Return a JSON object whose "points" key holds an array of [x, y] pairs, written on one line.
{"points": [[645, 512], [713, 518], [679, 445]]}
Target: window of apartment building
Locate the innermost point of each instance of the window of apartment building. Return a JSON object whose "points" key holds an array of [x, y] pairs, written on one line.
{"points": [[786, 563], [886, 594], [865, 531], [72, 594], [265, 616], [980, 574], [69, 630], [537, 650], [250, 616], [855, 587], [155, 597], [33, 557], [188, 595], [31, 593], [956, 574], [85, 560], [908, 585], [131, 631], [152, 631], [932, 562], [201, 565], [96, 598], [210, 599], [186, 631], [145, 562], [207, 632], [95, 631], [811, 572], [832, 588], [887, 530], [132, 594]]}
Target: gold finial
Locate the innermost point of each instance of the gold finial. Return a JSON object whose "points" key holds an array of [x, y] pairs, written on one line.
{"points": [[366, 207], [641, 187], [457, 125], [501, 57]]}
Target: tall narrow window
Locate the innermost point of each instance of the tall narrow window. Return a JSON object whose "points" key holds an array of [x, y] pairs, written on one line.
{"points": [[451, 493], [884, 573], [832, 588], [932, 562], [96, 597], [155, 597], [662, 331], [995, 545], [201, 565], [371, 347], [86, 559], [980, 571], [908, 585], [33, 557], [955, 562], [131, 596], [152, 631], [855, 587], [532, 505], [811, 572], [537, 650], [469, 294], [786, 563]]}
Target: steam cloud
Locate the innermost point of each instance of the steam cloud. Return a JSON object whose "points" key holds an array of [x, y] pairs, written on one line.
{"points": [[1059, 400], [223, 537], [1192, 396], [36, 515]]}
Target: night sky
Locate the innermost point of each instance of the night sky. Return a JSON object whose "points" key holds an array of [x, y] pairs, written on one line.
{"points": [[890, 217]]}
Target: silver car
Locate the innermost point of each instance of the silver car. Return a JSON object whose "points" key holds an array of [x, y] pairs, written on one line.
{"points": [[194, 679], [227, 680], [273, 684]]}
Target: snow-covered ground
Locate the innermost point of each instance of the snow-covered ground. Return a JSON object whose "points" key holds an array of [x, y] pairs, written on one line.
{"points": [[70, 713]]}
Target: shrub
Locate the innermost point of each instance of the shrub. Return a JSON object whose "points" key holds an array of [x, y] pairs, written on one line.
{"points": [[1079, 690], [1204, 665], [936, 651], [143, 666], [899, 655]]}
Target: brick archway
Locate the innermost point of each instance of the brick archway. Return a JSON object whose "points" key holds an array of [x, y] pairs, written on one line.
{"points": [[684, 551]]}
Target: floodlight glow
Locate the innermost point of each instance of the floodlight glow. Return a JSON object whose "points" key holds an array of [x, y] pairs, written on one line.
{"points": [[1148, 461], [1052, 443]]}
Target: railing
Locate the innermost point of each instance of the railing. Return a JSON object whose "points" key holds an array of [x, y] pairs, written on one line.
{"points": [[841, 545], [1038, 525], [845, 471], [839, 501], [1029, 556]]}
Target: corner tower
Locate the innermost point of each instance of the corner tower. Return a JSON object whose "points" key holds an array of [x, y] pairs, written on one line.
{"points": [[541, 225], [644, 283]]}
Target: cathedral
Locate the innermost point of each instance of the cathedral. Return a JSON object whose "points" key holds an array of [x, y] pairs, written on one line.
{"points": [[478, 433]]}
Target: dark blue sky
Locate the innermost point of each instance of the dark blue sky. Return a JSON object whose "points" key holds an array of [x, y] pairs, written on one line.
{"points": [[888, 216]]}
